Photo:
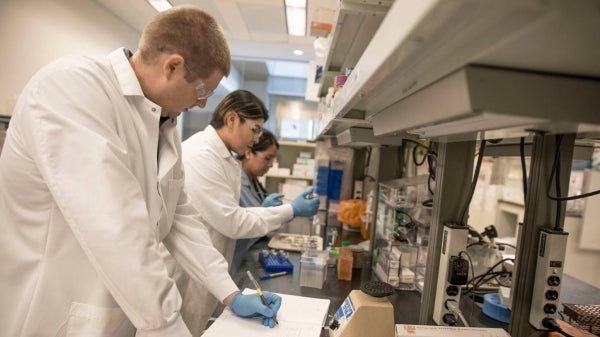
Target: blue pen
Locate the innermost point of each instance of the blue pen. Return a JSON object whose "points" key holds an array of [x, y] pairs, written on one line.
{"points": [[272, 275]]}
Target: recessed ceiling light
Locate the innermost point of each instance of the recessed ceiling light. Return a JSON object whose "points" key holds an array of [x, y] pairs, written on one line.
{"points": [[295, 14], [160, 5], [298, 52]]}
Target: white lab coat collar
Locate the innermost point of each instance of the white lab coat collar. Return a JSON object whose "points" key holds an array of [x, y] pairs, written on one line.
{"points": [[129, 83], [217, 143]]}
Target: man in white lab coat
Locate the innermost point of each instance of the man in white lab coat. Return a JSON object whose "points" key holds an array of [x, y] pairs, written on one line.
{"points": [[91, 184], [213, 180]]}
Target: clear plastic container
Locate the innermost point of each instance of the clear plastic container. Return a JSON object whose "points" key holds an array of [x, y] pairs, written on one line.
{"points": [[313, 268], [345, 260]]}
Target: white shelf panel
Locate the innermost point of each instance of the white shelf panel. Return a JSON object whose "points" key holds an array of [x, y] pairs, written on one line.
{"points": [[421, 42], [288, 177], [355, 26], [298, 144]]}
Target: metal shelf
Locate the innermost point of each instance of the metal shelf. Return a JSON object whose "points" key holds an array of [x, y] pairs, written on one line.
{"points": [[421, 42], [356, 24]]}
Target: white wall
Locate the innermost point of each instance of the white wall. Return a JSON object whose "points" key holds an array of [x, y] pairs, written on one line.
{"points": [[34, 32], [580, 263]]}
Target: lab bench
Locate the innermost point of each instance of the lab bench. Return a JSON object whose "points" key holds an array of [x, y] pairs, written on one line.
{"points": [[405, 303]]}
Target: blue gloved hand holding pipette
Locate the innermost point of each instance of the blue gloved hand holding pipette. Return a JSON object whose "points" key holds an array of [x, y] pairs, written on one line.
{"points": [[306, 204]]}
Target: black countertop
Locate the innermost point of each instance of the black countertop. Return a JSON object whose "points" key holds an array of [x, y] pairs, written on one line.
{"points": [[405, 303]]}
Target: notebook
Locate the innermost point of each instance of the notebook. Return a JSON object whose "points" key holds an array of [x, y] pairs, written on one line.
{"points": [[298, 316]]}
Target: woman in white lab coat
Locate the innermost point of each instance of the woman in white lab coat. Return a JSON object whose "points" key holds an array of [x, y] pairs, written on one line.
{"points": [[213, 176], [91, 183]]}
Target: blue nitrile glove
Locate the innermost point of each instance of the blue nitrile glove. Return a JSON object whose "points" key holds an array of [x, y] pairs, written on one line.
{"points": [[273, 199], [306, 207], [251, 306]]}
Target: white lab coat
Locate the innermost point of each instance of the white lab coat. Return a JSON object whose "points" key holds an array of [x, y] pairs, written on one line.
{"points": [[213, 182], [84, 205]]}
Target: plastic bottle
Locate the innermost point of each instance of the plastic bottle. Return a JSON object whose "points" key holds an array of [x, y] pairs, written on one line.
{"points": [[345, 260], [333, 256], [365, 229], [333, 251]]}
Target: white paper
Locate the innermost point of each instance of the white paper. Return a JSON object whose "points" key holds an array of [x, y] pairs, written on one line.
{"points": [[298, 316]]}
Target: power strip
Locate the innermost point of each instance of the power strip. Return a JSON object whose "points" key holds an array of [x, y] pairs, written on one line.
{"points": [[451, 274], [548, 276]]}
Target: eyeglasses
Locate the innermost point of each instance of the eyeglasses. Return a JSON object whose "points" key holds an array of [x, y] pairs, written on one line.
{"points": [[201, 90], [257, 130], [267, 158]]}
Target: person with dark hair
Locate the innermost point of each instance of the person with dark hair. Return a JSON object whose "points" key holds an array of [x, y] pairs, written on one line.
{"points": [[255, 163], [92, 191], [213, 180]]}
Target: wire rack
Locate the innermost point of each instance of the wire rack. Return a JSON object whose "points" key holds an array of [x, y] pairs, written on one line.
{"points": [[584, 316]]}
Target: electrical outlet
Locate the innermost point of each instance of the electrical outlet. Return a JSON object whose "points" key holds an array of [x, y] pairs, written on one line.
{"points": [[454, 241], [548, 276]]}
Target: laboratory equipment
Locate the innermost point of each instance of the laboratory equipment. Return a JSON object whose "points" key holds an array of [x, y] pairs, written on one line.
{"points": [[275, 261], [548, 276], [313, 268], [410, 330], [452, 275], [583, 316], [365, 312], [402, 232], [294, 242]]}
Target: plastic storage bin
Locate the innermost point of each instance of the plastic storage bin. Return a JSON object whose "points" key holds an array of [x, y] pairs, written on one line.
{"points": [[313, 268]]}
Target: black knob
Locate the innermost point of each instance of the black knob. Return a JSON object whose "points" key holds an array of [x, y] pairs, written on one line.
{"points": [[551, 295], [553, 280], [377, 289], [452, 290], [334, 324], [550, 308], [450, 319]]}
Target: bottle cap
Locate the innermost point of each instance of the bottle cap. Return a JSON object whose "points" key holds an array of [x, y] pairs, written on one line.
{"points": [[340, 80]]}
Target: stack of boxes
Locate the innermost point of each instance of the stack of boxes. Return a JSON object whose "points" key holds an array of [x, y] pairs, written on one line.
{"points": [[304, 166], [387, 268], [396, 264]]}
